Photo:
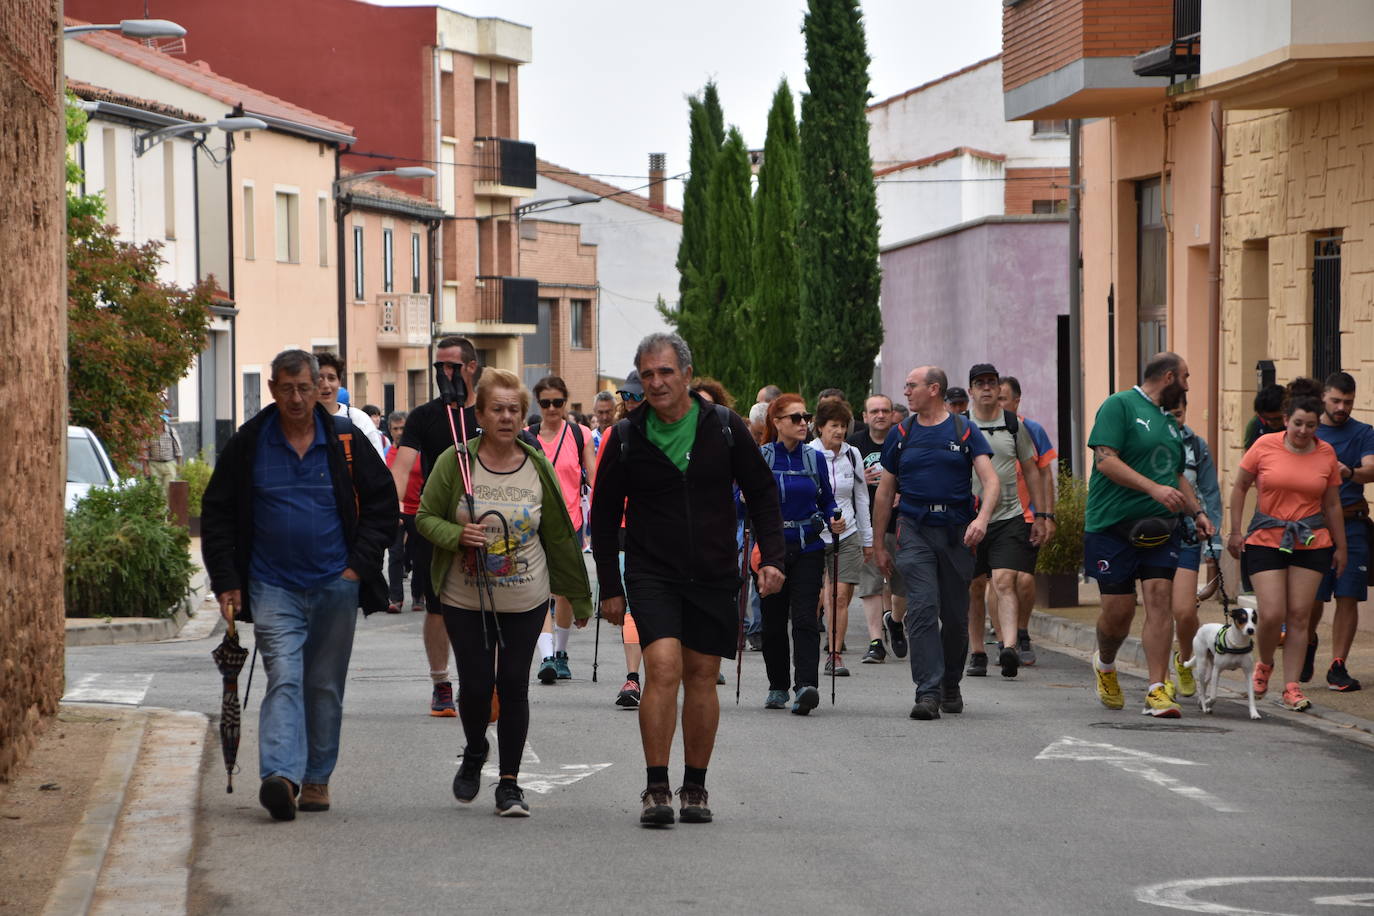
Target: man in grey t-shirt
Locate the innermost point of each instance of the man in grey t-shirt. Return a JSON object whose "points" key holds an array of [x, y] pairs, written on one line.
{"points": [[1012, 540]]}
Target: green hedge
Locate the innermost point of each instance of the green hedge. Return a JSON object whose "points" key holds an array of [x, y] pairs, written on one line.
{"points": [[1064, 553], [196, 472], [125, 558]]}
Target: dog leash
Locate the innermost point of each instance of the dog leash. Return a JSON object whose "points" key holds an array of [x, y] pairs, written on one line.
{"points": [[1221, 581]]}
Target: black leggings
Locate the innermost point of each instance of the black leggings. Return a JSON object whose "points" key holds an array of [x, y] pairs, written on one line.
{"points": [[484, 665], [795, 603]]}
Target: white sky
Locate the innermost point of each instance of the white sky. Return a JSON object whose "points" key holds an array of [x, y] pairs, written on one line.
{"points": [[609, 80]]}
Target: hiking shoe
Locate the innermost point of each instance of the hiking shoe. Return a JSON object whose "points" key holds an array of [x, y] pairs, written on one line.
{"points": [[1309, 663], [777, 699], [807, 699], [1170, 689], [441, 703], [467, 782], [694, 809], [510, 800], [951, 699], [977, 665], [1293, 698], [1187, 684], [1008, 660], [278, 796], [548, 671], [1025, 650], [1261, 679], [417, 605], [876, 653], [1159, 704], [1337, 678], [720, 678], [755, 641], [1108, 690], [314, 797], [658, 806], [560, 664], [834, 665], [927, 707], [629, 696], [896, 634], [392, 607]]}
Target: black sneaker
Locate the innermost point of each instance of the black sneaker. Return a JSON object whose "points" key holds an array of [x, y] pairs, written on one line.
{"points": [[1008, 660], [977, 665], [1337, 678], [628, 698], [875, 655], [896, 634], [694, 808], [951, 699], [278, 796], [548, 672], [927, 707], [658, 806], [806, 699], [467, 782], [510, 800], [755, 641], [1309, 664], [1025, 649]]}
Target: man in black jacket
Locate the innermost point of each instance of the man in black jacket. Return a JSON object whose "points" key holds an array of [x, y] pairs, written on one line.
{"points": [[670, 472], [295, 520]]}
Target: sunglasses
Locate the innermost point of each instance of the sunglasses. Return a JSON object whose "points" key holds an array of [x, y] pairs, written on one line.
{"points": [[796, 417], [632, 398], [552, 402]]}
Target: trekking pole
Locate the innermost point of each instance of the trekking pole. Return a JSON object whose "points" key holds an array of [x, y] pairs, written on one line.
{"points": [[834, 608], [743, 602], [596, 642]]}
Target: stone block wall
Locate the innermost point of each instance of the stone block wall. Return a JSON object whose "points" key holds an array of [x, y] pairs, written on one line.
{"points": [[32, 371]]}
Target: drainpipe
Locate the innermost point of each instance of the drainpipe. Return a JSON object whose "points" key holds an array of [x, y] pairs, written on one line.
{"points": [[341, 210], [1075, 307], [1214, 279]]}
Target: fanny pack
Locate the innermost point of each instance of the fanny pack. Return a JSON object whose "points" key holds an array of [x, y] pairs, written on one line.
{"points": [[1146, 533], [1356, 510]]}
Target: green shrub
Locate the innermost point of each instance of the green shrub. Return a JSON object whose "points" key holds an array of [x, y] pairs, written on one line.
{"points": [[1064, 553], [124, 557], [196, 472]]}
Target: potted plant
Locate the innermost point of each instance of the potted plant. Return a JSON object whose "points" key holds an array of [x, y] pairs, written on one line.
{"points": [[196, 472], [1061, 560]]}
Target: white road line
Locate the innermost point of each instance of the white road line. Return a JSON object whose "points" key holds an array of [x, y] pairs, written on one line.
{"points": [[1177, 895], [1136, 762], [116, 689], [542, 783]]}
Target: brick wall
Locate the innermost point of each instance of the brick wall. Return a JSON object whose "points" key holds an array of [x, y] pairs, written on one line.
{"points": [[33, 373], [1041, 36], [1025, 186], [565, 267]]}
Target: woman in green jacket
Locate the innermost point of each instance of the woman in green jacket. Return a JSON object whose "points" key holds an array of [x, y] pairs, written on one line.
{"points": [[522, 536]]}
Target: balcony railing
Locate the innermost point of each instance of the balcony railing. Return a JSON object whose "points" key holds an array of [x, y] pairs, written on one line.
{"points": [[503, 163], [507, 300], [402, 320], [1182, 56]]}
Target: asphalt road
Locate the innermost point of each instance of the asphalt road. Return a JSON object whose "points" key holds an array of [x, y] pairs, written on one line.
{"points": [[1035, 800]]}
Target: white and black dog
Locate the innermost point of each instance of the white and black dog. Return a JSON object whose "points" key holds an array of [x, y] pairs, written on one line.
{"points": [[1222, 647]]}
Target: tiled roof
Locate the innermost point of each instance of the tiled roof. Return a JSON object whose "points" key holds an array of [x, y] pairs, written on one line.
{"points": [[600, 188], [198, 77], [101, 94], [935, 82], [939, 157], [376, 190]]}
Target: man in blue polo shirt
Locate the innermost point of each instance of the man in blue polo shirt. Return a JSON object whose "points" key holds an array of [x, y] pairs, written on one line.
{"points": [[1354, 445], [926, 460], [295, 520]]}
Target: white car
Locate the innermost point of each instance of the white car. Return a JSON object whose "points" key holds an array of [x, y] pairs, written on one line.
{"points": [[87, 464]]}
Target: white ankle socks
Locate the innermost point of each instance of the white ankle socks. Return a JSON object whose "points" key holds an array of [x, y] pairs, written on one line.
{"points": [[560, 638], [545, 645]]}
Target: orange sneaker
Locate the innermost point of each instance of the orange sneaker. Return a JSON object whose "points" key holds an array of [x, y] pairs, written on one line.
{"points": [[1293, 698], [1262, 672]]}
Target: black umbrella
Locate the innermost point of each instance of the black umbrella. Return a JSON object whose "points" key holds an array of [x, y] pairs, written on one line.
{"points": [[230, 656]]}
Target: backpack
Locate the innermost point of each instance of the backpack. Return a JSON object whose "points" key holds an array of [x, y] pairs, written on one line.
{"points": [[531, 435], [769, 451], [1010, 422], [961, 436], [723, 414]]}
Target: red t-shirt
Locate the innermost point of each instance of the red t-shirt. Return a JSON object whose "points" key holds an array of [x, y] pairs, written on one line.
{"points": [[1291, 486], [411, 504]]}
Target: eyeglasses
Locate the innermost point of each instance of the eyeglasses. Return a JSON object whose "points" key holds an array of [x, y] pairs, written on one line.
{"points": [[304, 391], [881, 410], [628, 396], [552, 402], [984, 383], [796, 417]]}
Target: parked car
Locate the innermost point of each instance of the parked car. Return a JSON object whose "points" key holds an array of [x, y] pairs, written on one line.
{"points": [[87, 464]]}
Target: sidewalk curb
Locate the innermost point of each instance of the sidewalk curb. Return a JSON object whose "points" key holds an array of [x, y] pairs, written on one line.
{"points": [[1082, 638], [118, 631]]}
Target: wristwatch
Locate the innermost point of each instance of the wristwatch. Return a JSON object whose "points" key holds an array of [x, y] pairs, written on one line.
{"points": [[1048, 515]]}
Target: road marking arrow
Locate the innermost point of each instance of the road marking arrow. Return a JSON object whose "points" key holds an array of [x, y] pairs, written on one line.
{"points": [[1135, 762], [542, 783]]}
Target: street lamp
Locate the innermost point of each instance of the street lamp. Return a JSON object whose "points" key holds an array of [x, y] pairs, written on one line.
{"points": [[145, 142], [132, 28], [572, 200], [342, 207]]}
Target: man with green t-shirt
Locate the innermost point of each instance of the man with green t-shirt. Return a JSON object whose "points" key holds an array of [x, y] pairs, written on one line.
{"points": [[670, 472], [1131, 531]]}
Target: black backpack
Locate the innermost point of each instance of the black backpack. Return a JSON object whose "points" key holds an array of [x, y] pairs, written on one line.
{"points": [[723, 414], [1010, 422], [961, 436]]}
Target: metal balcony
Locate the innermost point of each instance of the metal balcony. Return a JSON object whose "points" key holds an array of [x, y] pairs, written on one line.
{"points": [[507, 300], [505, 168], [1182, 56], [402, 320]]}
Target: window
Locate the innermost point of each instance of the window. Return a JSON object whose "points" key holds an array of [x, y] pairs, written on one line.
{"points": [[169, 190], [1326, 304], [417, 383], [322, 206], [1049, 206], [358, 291], [1058, 128], [357, 395], [415, 262], [252, 394], [288, 227], [388, 262], [109, 140], [538, 352], [581, 324], [249, 236], [1152, 268]]}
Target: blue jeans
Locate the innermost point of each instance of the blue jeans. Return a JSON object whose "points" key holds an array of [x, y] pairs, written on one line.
{"points": [[306, 638], [753, 623]]}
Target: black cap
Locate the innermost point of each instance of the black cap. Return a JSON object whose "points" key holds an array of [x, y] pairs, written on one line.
{"points": [[632, 385], [956, 394], [981, 369]]}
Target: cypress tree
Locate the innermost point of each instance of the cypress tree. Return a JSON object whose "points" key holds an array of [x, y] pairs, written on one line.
{"points": [[691, 253], [772, 319], [841, 323], [715, 115], [729, 265]]}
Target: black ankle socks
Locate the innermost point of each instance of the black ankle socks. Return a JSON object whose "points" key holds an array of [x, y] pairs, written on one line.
{"points": [[657, 775], [694, 776]]}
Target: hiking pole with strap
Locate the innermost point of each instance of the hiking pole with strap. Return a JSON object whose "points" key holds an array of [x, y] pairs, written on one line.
{"points": [[743, 602], [834, 608], [596, 642]]}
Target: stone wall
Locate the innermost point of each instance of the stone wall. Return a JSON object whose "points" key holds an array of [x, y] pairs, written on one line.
{"points": [[32, 371]]}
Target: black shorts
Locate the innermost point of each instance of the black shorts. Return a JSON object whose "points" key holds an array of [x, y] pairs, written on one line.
{"points": [[1267, 559], [1117, 565], [1006, 546], [703, 618]]}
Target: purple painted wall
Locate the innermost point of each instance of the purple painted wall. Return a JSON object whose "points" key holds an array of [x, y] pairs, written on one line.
{"points": [[988, 292]]}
